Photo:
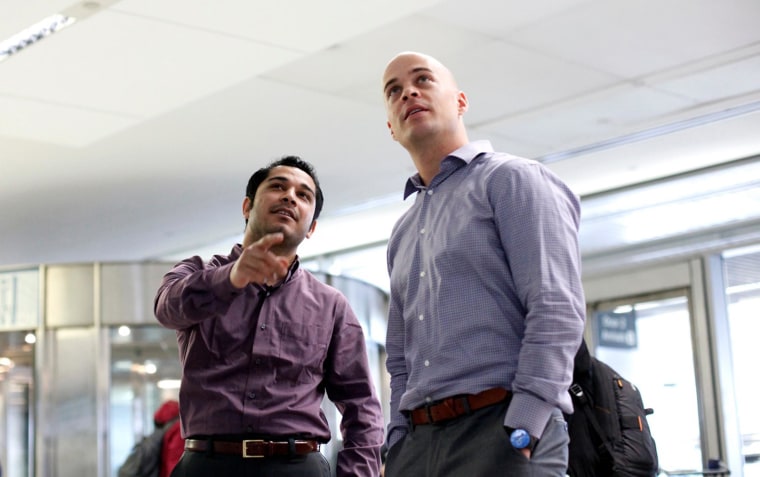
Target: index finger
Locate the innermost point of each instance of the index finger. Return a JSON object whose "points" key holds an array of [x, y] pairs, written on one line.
{"points": [[267, 241]]}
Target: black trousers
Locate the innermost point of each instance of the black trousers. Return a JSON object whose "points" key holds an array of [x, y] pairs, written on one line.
{"points": [[203, 464]]}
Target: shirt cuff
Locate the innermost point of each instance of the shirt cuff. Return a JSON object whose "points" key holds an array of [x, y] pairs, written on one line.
{"points": [[529, 413]]}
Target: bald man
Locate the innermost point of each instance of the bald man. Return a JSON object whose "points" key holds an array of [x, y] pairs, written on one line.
{"points": [[486, 309]]}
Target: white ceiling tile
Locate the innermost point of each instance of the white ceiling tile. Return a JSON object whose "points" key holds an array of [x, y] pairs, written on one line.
{"points": [[633, 39], [498, 17], [589, 118], [146, 68], [61, 125], [502, 79], [362, 60], [729, 80], [302, 25], [508, 143]]}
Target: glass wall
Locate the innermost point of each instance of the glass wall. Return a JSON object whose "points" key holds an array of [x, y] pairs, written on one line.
{"points": [[648, 340], [742, 279], [16, 403], [145, 372], [19, 319]]}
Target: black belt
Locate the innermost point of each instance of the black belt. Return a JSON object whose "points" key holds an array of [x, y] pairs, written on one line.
{"points": [[453, 407], [253, 448]]}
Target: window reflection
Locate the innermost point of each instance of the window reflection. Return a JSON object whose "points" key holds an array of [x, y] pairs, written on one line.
{"points": [[661, 328], [16, 411], [742, 278], [145, 371]]}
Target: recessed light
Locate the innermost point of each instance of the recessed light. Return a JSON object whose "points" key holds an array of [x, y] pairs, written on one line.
{"points": [[33, 34]]}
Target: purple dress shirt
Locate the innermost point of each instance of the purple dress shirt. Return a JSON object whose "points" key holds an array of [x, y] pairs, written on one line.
{"points": [[258, 361]]}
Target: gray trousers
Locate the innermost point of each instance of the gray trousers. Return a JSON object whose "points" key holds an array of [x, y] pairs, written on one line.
{"points": [[477, 445]]}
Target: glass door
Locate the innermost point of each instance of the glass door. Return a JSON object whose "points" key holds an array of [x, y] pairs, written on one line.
{"points": [[145, 372], [648, 340], [16, 410], [741, 271]]}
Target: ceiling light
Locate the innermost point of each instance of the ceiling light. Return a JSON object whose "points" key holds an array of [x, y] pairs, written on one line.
{"points": [[168, 384], [33, 34]]}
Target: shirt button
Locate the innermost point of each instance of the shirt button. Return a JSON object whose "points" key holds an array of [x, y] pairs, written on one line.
{"points": [[428, 399], [430, 192], [422, 274], [422, 231], [263, 327], [422, 317], [251, 395], [427, 363]]}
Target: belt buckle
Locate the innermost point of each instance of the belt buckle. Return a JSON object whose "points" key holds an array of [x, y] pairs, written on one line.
{"points": [[245, 449]]}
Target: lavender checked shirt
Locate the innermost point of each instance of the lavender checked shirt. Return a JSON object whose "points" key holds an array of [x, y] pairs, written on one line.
{"points": [[485, 288]]}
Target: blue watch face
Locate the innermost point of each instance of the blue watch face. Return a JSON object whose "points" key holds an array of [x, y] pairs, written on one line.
{"points": [[520, 439]]}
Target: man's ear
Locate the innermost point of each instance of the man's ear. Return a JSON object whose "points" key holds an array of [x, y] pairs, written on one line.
{"points": [[247, 205], [391, 130], [462, 102], [311, 228]]}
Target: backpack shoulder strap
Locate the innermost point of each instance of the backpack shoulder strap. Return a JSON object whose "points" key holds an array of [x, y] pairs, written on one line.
{"points": [[580, 398]]}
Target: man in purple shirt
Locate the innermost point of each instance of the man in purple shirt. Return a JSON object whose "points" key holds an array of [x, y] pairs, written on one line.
{"points": [[486, 307], [261, 341]]}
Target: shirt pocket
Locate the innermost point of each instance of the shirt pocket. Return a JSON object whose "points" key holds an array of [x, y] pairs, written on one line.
{"points": [[302, 350]]}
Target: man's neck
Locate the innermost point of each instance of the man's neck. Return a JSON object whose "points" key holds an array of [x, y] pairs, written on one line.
{"points": [[427, 157]]}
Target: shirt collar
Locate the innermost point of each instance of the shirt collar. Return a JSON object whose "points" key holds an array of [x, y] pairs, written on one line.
{"points": [[466, 153]]}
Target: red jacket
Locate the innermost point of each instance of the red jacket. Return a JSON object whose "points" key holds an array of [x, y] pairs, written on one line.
{"points": [[173, 444]]}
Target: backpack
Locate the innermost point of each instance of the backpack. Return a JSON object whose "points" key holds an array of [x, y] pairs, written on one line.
{"points": [[144, 459], [609, 433]]}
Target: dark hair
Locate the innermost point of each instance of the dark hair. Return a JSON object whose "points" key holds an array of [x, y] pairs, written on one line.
{"points": [[290, 161]]}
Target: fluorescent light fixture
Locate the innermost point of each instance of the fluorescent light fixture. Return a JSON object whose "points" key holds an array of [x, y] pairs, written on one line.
{"points": [[168, 384], [33, 34]]}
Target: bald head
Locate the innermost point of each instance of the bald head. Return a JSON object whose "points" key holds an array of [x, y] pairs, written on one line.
{"points": [[413, 57], [425, 109]]}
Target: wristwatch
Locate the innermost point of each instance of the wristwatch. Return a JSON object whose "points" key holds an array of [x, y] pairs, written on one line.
{"points": [[521, 439]]}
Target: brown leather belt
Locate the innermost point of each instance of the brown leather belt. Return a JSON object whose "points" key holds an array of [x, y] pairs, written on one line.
{"points": [[252, 448], [456, 406]]}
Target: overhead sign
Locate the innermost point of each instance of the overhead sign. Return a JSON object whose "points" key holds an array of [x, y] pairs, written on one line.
{"points": [[616, 330]]}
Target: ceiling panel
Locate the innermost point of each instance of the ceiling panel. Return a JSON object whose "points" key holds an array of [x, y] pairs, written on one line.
{"points": [[588, 119], [301, 25], [500, 18], [518, 80], [183, 65], [632, 39], [355, 68], [130, 134], [59, 124], [736, 78]]}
